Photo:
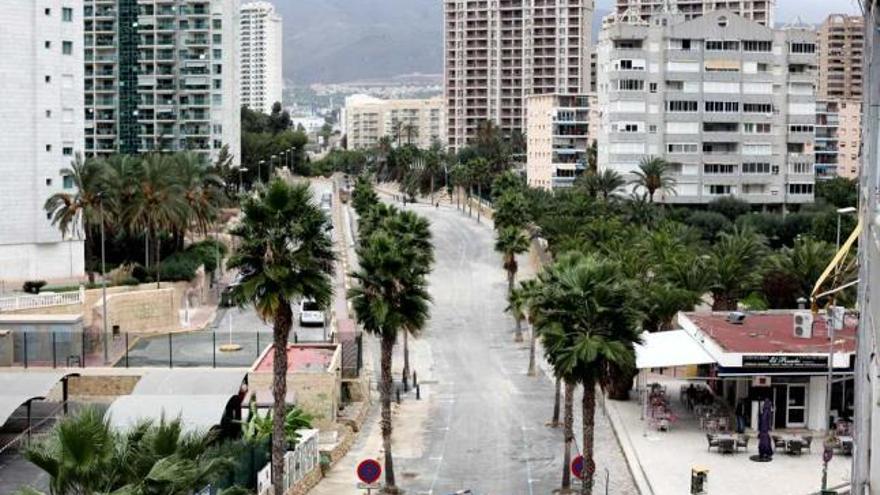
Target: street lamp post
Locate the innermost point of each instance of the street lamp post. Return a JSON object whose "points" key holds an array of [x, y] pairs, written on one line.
{"points": [[260, 170], [240, 182], [103, 278], [840, 213]]}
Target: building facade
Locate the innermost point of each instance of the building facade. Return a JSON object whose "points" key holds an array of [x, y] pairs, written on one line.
{"points": [[262, 79], [366, 120], [41, 133], [760, 11], [498, 53], [558, 139], [841, 49], [161, 75], [728, 102], [837, 138]]}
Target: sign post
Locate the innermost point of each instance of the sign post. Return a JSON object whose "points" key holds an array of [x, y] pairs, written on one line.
{"points": [[369, 471], [577, 467]]}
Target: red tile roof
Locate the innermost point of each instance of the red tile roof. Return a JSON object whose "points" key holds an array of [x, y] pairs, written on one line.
{"points": [[772, 332], [300, 358]]}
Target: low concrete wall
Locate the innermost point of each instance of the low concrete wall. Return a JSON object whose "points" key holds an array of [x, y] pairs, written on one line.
{"points": [[315, 393], [142, 311], [97, 387]]}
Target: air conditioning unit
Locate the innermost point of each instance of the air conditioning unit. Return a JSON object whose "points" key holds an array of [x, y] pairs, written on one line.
{"points": [[761, 381], [803, 324], [736, 317]]}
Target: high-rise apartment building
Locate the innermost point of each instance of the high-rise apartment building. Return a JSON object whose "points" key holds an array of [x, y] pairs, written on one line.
{"points": [[841, 50], [366, 119], [728, 102], [262, 81], [760, 11], [41, 132], [558, 139], [161, 75], [838, 133], [496, 53]]}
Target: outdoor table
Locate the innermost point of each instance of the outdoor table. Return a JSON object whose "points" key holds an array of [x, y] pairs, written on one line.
{"points": [[846, 445], [794, 444], [726, 443]]}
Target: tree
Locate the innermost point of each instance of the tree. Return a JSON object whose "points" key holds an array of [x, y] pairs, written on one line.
{"points": [[587, 322], [729, 206], [411, 131], [279, 119], [511, 210], [654, 175], [839, 191], [200, 188], [803, 263], [387, 299], [510, 242], [734, 267], [508, 182], [517, 302], [460, 180], [284, 254], [363, 197], [605, 183], [77, 213], [478, 170]]}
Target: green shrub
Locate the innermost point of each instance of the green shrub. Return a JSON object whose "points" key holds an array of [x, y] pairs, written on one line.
{"points": [[205, 253], [729, 206], [33, 286], [130, 281], [710, 223], [140, 273], [179, 267]]}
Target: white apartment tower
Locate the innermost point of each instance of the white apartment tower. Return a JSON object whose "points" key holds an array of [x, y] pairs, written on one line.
{"points": [[41, 132], [497, 52], [728, 102], [262, 81], [366, 120], [162, 75], [760, 11]]}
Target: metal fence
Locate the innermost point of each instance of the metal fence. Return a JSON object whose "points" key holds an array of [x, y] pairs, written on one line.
{"points": [[352, 354], [298, 463], [27, 301]]}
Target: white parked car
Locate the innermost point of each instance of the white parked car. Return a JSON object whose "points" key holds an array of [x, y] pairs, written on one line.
{"points": [[310, 314]]}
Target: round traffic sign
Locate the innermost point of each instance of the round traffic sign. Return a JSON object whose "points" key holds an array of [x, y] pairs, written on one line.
{"points": [[577, 467], [369, 471]]}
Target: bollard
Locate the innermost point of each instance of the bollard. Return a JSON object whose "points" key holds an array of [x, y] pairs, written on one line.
{"points": [[405, 384], [397, 390], [415, 379], [418, 392]]}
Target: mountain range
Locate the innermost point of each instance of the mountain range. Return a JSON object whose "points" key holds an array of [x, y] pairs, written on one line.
{"points": [[332, 41]]}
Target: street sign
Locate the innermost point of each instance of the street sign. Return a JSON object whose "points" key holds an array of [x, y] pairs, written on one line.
{"points": [[369, 471], [369, 486], [577, 467]]}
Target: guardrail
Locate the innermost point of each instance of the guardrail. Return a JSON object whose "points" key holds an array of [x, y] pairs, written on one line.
{"points": [[17, 303], [298, 463]]}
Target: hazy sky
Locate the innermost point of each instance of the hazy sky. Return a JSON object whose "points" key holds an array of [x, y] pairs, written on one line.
{"points": [[812, 11]]}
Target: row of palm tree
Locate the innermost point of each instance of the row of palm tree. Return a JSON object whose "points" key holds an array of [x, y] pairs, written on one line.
{"points": [[82, 455], [389, 295], [653, 174], [284, 254], [153, 195]]}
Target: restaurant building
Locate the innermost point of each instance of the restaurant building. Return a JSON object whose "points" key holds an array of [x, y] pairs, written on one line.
{"points": [[779, 355]]}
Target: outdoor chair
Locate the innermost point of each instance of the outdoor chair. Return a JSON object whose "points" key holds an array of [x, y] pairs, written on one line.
{"points": [[712, 441], [726, 445], [808, 441], [794, 447], [743, 441], [778, 442]]}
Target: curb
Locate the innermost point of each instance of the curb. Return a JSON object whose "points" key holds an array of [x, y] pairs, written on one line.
{"points": [[623, 440]]}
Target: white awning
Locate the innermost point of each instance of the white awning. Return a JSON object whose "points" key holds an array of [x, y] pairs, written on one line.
{"points": [[668, 349], [19, 388], [190, 382], [197, 413]]}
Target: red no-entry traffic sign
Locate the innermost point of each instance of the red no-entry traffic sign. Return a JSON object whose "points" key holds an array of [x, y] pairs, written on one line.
{"points": [[369, 471], [577, 467]]}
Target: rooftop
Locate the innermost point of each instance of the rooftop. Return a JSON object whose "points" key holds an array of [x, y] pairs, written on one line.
{"points": [[301, 358], [772, 332]]}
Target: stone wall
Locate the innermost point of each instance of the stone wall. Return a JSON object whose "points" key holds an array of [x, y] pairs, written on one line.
{"points": [[142, 311], [101, 386], [315, 393]]}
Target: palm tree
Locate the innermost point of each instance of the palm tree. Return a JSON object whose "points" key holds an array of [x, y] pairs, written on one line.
{"points": [[734, 267], [804, 262], [527, 290], [607, 183], [77, 212], [654, 175], [77, 455], [284, 254], [158, 204], [584, 310], [511, 242], [478, 171], [387, 299], [397, 132], [459, 175], [411, 131], [201, 189], [511, 210], [516, 306]]}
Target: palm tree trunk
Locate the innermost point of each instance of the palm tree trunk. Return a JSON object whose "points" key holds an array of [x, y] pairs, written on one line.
{"points": [[432, 188], [470, 193], [588, 405], [406, 357], [387, 382], [479, 201], [568, 434], [281, 333], [518, 336], [554, 422], [158, 242], [532, 339]]}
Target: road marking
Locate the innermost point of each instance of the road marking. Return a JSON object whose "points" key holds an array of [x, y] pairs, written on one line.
{"points": [[442, 451], [529, 479]]}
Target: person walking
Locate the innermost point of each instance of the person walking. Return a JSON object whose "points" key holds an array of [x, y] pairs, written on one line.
{"points": [[741, 416]]}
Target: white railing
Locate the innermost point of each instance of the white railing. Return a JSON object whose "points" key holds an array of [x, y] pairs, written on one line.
{"points": [[297, 463], [17, 303]]}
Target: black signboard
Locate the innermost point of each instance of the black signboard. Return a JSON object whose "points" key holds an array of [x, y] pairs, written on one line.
{"points": [[787, 362]]}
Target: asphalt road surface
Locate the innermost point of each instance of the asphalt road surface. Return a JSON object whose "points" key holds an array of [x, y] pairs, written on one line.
{"points": [[486, 430]]}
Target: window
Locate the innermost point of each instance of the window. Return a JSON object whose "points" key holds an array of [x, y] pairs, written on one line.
{"points": [[719, 189], [47, 44], [683, 148], [722, 21], [48, 114], [630, 85], [67, 47], [800, 168], [48, 148], [627, 44], [757, 149], [757, 46], [67, 14], [47, 11], [757, 108], [719, 168], [217, 23], [67, 151], [722, 66], [802, 129], [48, 181], [628, 127], [755, 128], [48, 79], [801, 47], [681, 106], [67, 182], [652, 87], [800, 188], [722, 46], [217, 39], [722, 106], [720, 127], [756, 168], [652, 129], [218, 83]]}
